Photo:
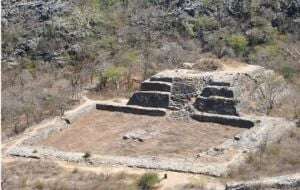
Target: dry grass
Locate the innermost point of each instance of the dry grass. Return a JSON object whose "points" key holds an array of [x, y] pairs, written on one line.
{"points": [[280, 158], [27, 175], [208, 64], [101, 132]]}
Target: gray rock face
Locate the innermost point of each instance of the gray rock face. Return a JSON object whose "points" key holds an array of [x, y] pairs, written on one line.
{"points": [[216, 104], [36, 10]]}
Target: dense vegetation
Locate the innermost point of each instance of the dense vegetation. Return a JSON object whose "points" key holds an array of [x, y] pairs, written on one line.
{"points": [[52, 50]]}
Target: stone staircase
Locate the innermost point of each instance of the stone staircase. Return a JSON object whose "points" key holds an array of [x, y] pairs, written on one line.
{"points": [[216, 104], [163, 92], [217, 98]]}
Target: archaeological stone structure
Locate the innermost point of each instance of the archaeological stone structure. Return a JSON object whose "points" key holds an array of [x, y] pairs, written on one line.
{"points": [[229, 97], [221, 96]]}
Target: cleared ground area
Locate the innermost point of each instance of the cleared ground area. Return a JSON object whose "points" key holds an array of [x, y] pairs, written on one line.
{"points": [[112, 133]]}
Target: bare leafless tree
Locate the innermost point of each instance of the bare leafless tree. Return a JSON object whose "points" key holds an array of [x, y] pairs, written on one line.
{"points": [[270, 90]]}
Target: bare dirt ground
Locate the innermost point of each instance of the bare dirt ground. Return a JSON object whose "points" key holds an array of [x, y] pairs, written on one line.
{"points": [[36, 174], [102, 132]]}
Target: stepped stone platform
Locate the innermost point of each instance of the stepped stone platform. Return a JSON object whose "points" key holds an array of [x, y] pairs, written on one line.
{"points": [[150, 99], [156, 86], [216, 104]]}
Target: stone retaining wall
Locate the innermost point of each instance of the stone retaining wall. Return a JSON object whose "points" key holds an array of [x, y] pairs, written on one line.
{"points": [[225, 120], [278, 182], [132, 109]]}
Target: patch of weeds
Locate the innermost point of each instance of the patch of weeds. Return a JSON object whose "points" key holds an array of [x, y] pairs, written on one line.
{"points": [[288, 72], [39, 185], [197, 183], [148, 181], [273, 150], [293, 161], [237, 42]]}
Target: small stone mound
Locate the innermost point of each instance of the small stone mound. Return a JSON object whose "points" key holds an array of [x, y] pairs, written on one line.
{"points": [[139, 135]]}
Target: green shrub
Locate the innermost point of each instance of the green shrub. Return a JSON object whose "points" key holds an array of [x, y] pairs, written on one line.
{"points": [[107, 3], [206, 23], [188, 28], [288, 72], [148, 181], [114, 74], [108, 42], [238, 43], [129, 58], [259, 35]]}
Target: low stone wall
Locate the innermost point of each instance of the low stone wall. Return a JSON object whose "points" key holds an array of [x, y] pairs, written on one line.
{"points": [[225, 120], [278, 182], [147, 162], [132, 109]]}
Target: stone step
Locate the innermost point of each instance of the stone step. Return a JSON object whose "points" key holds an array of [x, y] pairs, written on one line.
{"points": [[132, 109], [162, 79], [217, 91], [235, 121], [216, 104], [150, 99], [219, 83], [156, 86]]}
